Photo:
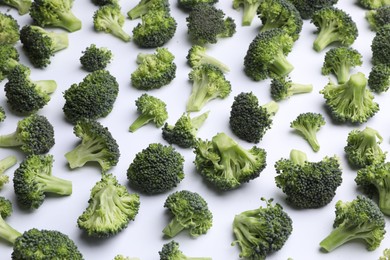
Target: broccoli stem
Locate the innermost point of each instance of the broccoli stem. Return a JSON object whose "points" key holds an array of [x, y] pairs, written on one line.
{"points": [[83, 153], [250, 10], [68, 21], [198, 95], [7, 163], [326, 36], [342, 74], [118, 31], [213, 61], [198, 121], [384, 197], [7, 232], [281, 66], [298, 157], [137, 11], [10, 140], [297, 88], [173, 228], [47, 86], [23, 6], [60, 40], [272, 107], [53, 184], [142, 120]]}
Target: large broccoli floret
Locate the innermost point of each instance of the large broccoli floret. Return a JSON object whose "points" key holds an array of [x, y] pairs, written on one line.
{"points": [[379, 78], [379, 17], [307, 125], [190, 4], [358, 219], [23, 6], [5, 164], [97, 145], [110, 208], [307, 7], [34, 135], [171, 251], [352, 101], [95, 58], [227, 165], [40, 45], [156, 169], [283, 88], [197, 56], [380, 46], [261, 231], [9, 59], [249, 7], [333, 25], [144, 6], [9, 29], [373, 4]]}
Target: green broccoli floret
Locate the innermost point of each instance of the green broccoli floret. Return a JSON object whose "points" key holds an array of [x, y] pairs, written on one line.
{"points": [[373, 4], [110, 208], [97, 145], [190, 211], [23, 6], [144, 6], [7, 233], [380, 46], [34, 134], [171, 251], [308, 184], [197, 56], [226, 164], [183, 132], [5, 208], [105, 2], [358, 219], [33, 179], [378, 18], [307, 7], [154, 70], [3, 115], [379, 78], [190, 4], [261, 231], [9, 29], [5, 164], [92, 98], [208, 83], [9, 59], [307, 125], [386, 254], [40, 45], [156, 169], [333, 25], [283, 88], [362, 148], [95, 58], [151, 109], [248, 120], [249, 7], [207, 24], [352, 101]]}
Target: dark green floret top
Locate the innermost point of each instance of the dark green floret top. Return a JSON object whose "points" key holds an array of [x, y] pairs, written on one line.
{"points": [[22, 6], [9, 59], [379, 78], [308, 7], [9, 29], [190, 4], [380, 46], [379, 17], [307, 125], [171, 251], [95, 58]]}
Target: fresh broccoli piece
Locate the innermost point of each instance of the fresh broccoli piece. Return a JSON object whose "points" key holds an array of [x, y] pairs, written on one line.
{"points": [[122, 257], [373, 4], [34, 134], [156, 169], [379, 78], [380, 46], [358, 219], [5, 208], [9, 59], [362, 148], [156, 29], [351, 101], [226, 164], [248, 120], [307, 125], [308, 7], [97, 145], [183, 132], [190, 4], [3, 115], [308, 184], [171, 251], [144, 6], [95, 58], [249, 7], [340, 61], [5, 164], [9, 29], [386, 254], [154, 70], [261, 231], [105, 2], [151, 109], [197, 56], [7, 232], [283, 88], [110, 208], [379, 17], [208, 83], [23, 6], [333, 25], [207, 24], [40, 45], [92, 98], [33, 179]]}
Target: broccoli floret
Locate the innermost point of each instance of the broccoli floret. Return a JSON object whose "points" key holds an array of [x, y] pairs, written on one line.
{"points": [[144, 6], [183, 132], [208, 83], [5, 208], [110, 208], [23, 6], [40, 45], [261, 231], [283, 88], [197, 56], [380, 46], [190, 4], [249, 7], [340, 61], [307, 125], [156, 169], [92, 98], [95, 58], [9, 29], [362, 148], [9, 59], [154, 70], [386, 254], [3, 115], [5, 164], [379, 17], [7, 232], [34, 134], [206, 24], [33, 179], [373, 4], [151, 109], [226, 164], [379, 78], [308, 184], [352, 101], [333, 25], [171, 251], [358, 219], [190, 211], [97, 145], [105, 2], [248, 120], [307, 7]]}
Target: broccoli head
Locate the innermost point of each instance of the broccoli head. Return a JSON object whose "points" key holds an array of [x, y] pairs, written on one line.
{"points": [[9, 59], [144, 6], [307, 125], [308, 7], [3, 115], [373, 4], [380, 46], [283, 88], [104, 2], [171, 251], [9, 29], [379, 17], [249, 7], [95, 58], [379, 78], [197, 56], [190, 4], [5, 164], [23, 6]]}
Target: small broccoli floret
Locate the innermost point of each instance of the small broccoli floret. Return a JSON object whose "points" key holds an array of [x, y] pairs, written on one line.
{"points": [[110, 208], [373, 4], [261, 231], [5, 208], [171, 251], [379, 78], [249, 7], [95, 58], [144, 6], [386, 254], [122, 257], [9, 29], [379, 17], [40, 45], [5, 164], [23, 6], [190, 211], [197, 56], [156, 169], [248, 120], [363, 148], [358, 219], [208, 83], [283, 88], [352, 101], [380, 46], [97, 145], [333, 25], [151, 109], [7, 232], [307, 7], [9, 59], [3, 115], [34, 135], [190, 4], [105, 2], [154, 70], [307, 125]]}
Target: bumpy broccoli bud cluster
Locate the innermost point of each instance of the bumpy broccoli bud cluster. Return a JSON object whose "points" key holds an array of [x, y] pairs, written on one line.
{"points": [[308, 7], [95, 58], [9, 29]]}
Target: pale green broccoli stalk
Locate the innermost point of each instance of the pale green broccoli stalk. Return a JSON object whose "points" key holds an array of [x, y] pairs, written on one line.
{"points": [[380, 46], [249, 7], [171, 251], [5, 164], [9, 29], [23, 6], [197, 56], [7, 232], [144, 6], [307, 7]]}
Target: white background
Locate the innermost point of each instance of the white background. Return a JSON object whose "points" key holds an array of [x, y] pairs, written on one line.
{"points": [[143, 237]]}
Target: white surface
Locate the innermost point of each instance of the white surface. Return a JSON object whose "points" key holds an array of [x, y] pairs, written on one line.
{"points": [[143, 237]]}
